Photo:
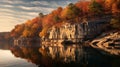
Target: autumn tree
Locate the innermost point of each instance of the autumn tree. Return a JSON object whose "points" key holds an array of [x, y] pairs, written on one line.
{"points": [[50, 20], [41, 15], [96, 8], [44, 31], [108, 4], [32, 28], [70, 12], [17, 31], [101, 1], [56, 14], [47, 22], [115, 21], [83, 6], [116, 9]]}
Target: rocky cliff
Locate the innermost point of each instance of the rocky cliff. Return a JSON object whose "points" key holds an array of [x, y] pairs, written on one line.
{"points": [[77, 31]]}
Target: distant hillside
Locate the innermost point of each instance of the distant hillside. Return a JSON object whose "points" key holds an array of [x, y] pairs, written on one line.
{"points": [[4, 36], [4, 33]]}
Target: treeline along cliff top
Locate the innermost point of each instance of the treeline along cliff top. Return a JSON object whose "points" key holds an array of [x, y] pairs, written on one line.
{"points": [[72, 13]]}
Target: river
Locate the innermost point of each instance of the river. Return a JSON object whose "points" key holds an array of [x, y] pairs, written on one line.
{"points": [[74, 55]]}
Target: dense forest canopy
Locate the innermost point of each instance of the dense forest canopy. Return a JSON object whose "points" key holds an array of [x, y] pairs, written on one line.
{"points": [[72, 13]]}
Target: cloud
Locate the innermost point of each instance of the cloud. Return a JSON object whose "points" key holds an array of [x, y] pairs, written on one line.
{"points": [[9, 6], [12, 1], [6, 10], [25, 8], [18, 11], [39, 2], [35, 9]]}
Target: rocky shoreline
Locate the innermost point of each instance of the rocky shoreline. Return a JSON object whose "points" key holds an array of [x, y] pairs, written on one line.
{"points": [[108, 43]]}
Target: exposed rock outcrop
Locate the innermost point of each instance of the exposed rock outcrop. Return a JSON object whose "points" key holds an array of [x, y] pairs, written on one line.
{"points": [[109, 43], [76, 32]]}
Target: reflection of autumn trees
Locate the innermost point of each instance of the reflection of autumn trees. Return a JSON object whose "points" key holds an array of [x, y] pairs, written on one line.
{"points": [[31, 54], [42, 56], [71, 13], [60, 56]]}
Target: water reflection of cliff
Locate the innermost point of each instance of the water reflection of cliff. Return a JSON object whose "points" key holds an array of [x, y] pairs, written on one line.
{"points": [[64, 53], [60, 56]]}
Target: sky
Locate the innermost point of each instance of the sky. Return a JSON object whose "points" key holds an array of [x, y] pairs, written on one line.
{"points": [[13, 12]]}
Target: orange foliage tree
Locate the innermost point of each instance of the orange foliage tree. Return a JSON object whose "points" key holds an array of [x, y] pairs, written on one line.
{"points": [[116, 8], [17, 31], [50, 20], [30, 28], [84, 6], [70, 12]]}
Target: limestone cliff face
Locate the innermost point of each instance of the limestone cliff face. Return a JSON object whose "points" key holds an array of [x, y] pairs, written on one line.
{"points": [[84, 30], [66, 31]]}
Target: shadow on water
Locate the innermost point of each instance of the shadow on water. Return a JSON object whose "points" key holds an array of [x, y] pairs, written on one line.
{"points": [[75, 55]]}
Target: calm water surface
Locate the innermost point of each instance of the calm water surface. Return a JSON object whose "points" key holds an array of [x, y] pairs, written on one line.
{"points": [[74, 55]]}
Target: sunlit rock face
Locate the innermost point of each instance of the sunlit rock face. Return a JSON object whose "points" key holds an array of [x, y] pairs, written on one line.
{"points": [[76, 31], [66, 31]]}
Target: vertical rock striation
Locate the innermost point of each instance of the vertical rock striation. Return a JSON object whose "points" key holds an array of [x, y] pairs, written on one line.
{"points": [[77, 31]]}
